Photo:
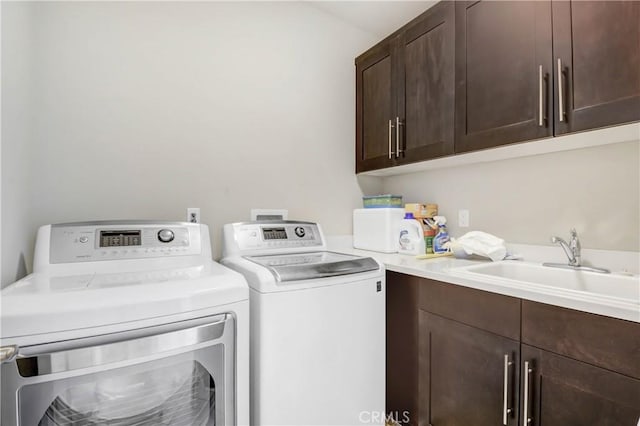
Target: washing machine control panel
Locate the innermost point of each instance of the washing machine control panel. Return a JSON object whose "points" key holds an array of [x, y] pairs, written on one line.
{"points": [[277, 235], [71, 243]]}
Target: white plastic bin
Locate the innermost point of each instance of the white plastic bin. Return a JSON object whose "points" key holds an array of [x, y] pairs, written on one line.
{"points": [[377, 229]]}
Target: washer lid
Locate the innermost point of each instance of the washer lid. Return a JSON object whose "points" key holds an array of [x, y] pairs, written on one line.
{"points": [[306, 266]]}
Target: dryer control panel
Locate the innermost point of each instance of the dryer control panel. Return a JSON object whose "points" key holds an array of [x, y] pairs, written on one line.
{"points": [[89, 242], [272, 236]]}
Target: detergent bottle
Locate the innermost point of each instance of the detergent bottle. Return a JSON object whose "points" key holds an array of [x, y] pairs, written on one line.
{"points": [[411, 239]]}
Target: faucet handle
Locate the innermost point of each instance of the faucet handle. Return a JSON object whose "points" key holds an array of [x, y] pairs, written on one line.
{"points": [[575, 242]]}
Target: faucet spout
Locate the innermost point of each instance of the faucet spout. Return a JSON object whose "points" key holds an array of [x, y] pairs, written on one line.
{"points": [[571, 249]]}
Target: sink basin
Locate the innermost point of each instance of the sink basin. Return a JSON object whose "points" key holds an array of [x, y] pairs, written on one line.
{"points": [[531, 274]]}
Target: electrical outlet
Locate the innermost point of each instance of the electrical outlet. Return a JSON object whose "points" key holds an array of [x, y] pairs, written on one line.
{"points": [[193, 215], [463, 218]]}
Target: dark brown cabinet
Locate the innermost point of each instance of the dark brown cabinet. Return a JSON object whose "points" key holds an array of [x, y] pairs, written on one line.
{"points": [[375, 98], [596, 54], [488, 359], [528, 70], [468, 376], [405, 93], [582, 368], [468, 356], [503, 62], [561, 391], [425, 102], [480, 74], [402, 348]]}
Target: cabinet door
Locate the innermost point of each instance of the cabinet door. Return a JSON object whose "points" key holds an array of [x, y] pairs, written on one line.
{"points": [[426, 86], [596, 48], [564, 392], [606, 342], [462, 375], [503, 66], [402, 348], [374, 109]]}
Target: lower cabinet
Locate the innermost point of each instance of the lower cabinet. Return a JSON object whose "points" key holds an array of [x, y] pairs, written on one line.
{"points": [[402, 349], [488, 359], [560, 391], [467, 376]]}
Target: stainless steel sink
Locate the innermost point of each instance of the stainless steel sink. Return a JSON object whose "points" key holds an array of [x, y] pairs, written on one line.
{"points": [[524, 274]]}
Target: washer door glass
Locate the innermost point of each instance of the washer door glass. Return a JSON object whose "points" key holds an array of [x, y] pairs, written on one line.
{"points": [[181, 394], [171, 374], [187, 389]]}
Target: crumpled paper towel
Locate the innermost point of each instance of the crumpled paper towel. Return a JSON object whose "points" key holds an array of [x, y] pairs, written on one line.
{"points": [[479, 243]]}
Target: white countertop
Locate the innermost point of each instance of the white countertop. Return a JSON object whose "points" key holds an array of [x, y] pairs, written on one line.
{"points": [[439, 269]]}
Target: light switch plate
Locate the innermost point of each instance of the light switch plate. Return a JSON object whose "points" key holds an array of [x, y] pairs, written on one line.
{"points": [[463, 218]]}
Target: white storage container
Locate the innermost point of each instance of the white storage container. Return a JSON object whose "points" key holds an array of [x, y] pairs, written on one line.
{"points": [[377, 229]]}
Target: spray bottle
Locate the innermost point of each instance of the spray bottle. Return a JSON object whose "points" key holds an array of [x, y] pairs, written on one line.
{"points": [[442, 237]]}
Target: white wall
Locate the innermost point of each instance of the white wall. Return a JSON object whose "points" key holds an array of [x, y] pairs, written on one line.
{"points": [[526, 200], [140, 110], [17, 233]]}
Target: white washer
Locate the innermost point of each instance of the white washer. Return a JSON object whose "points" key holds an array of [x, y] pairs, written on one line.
{"points": [[125, 323], [317, 326]]}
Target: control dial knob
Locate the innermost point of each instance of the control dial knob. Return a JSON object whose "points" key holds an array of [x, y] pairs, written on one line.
{"points": [[166, 235], [299, 231]]}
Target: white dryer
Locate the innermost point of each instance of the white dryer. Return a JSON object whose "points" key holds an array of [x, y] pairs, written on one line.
{"points": [[317, 326], [125, 323]]}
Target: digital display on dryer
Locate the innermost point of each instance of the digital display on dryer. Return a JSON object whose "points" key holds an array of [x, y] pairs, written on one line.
{"points": [[274, 234], [120, 238]]}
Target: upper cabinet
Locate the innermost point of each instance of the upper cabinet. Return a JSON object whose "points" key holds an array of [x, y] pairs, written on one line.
{"points": [[596, 60], [528, 70], [405, 94], [486, 74], [503, 62], [425, 96], [375, 106]]}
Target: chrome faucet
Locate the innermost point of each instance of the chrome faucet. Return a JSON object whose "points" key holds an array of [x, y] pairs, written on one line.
{"points": [[572, 250]]}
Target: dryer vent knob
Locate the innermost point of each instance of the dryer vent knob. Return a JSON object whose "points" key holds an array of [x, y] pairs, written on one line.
{"points": [[166, 235]]}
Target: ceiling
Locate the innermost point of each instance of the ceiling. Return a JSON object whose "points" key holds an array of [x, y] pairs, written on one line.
{"points": [[379, 18]]}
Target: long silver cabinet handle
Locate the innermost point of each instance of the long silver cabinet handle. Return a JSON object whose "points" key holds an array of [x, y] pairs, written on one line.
{"points": [[398, 134], [505, 405], [526, 419], [541, 114], [390, 137], [560, 93]]}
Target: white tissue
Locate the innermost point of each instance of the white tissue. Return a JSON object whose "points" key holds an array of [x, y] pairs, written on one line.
{"points": [[481, 244]]}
